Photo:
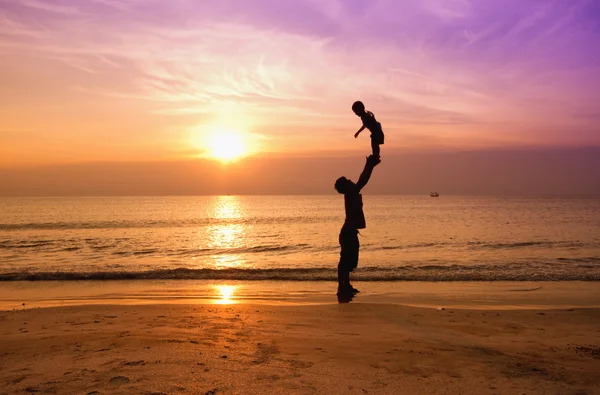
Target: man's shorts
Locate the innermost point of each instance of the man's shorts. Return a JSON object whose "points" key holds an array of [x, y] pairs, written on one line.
{"points": [[350, 246]]}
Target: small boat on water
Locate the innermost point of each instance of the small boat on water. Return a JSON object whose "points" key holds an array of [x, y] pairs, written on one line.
{"points": [[434, 194]]}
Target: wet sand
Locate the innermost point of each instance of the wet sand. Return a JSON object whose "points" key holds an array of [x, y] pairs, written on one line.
{"points": [[467, 295], [366, 347]]}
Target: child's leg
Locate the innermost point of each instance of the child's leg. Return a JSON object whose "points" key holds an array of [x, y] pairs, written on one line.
{"points": [[375, 148]]}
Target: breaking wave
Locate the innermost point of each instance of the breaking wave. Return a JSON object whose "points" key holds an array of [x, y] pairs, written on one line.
{"points": [[585, 271]]}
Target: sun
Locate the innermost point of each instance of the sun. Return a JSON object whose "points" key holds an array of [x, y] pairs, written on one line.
{"points": [[227, 146], [225, 140]]}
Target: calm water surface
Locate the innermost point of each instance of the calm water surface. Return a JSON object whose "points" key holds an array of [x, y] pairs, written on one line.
{"points": [[296, 238]]}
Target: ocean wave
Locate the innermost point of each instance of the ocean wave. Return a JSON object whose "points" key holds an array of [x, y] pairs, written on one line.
{"points": [[73, 245], [417, 245], [125, 224], [506, 272], [586, 259], [114, 246], [525, 244], [25, 244]]}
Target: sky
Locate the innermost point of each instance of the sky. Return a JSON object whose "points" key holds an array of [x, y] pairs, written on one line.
{"points": [[138, 87]]}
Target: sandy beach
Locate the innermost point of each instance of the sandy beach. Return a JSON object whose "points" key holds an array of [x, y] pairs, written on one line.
{"points": [[325, 348]]}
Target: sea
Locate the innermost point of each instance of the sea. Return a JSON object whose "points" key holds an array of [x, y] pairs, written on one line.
{"points": [[295, 238]]}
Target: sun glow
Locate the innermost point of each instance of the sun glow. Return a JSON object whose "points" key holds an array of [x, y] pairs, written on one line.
{"points": [[227, 139], [227, 146]]}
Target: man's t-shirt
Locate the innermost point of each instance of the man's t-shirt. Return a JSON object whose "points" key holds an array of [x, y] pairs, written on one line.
{"points": [[355, 217]]}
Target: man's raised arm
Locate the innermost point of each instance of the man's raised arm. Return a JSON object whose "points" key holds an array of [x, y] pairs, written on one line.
{"points": [[372, 161]]}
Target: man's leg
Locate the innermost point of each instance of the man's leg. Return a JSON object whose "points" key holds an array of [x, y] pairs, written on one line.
{"points": [[343, 279], [352, 247], [348, 258], [343, 273]]}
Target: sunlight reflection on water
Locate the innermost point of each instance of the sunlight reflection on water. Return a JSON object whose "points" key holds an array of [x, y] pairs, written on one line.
{"points": [[227, 236], [225, 294]]}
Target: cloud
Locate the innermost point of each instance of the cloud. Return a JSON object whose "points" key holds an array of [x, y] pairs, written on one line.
{"points": [[448, 10], [53, 7], [451, 62]]}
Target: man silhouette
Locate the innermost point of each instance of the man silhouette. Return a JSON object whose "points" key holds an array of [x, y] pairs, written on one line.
{"points": [[355, 220]]}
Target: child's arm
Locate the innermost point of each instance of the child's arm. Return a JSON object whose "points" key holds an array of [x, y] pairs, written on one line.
{"points": [[359, 130]]}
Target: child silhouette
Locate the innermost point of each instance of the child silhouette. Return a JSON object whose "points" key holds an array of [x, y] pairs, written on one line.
{"points": [[369, 122]]}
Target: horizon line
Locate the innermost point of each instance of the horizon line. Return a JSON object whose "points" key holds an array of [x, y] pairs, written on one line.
{"points": [[301, 194]]}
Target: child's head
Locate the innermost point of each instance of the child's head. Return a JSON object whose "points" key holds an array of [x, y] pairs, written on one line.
{"points": [[358, 107]]}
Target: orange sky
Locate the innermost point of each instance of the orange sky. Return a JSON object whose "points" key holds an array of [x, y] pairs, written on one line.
{"points": [[493, 172], [123, 81]]}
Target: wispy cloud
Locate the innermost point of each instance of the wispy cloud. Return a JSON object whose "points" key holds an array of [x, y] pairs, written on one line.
{"points": [[54, 7]]}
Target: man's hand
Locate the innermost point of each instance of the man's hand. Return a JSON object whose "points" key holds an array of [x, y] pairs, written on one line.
{"points": [[373, 160]]}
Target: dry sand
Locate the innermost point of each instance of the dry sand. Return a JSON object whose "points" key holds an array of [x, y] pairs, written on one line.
{"points": [[357, 348]]}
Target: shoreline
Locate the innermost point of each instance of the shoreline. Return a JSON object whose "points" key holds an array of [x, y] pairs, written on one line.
{"points": [[464, 295]]}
